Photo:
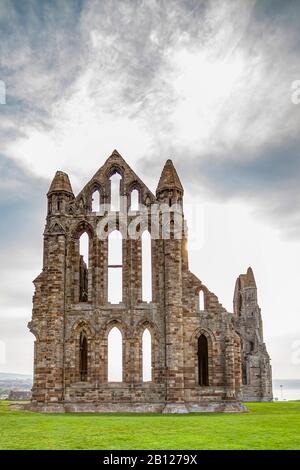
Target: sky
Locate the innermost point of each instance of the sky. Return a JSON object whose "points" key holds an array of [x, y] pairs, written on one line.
{"points": [[209, 84]]}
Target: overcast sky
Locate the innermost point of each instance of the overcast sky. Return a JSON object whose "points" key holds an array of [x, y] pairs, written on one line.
{"points": [[208, 84]]}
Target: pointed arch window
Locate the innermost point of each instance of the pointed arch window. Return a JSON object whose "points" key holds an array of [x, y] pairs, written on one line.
{"points": [[201, 300], [115, 192], [115, 267], [83, 357], [202, 360], [146, 267], [147, 355], [115, 355], [83, 267], [240, 303], [134, 200], [244, 374], [96, 201]]}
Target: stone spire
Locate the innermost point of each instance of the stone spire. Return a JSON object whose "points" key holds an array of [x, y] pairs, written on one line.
{"points": [[60, 183], [169, 179], [60, 194]]}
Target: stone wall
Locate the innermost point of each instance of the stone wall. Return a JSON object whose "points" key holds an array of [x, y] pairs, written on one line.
{"points": [[173, 316], [19, 395]]}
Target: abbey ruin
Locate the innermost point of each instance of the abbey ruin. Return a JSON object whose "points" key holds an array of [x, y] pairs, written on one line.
{"points": [[202, 357]]}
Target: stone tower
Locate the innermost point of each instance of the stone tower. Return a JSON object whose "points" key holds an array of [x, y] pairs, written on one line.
{"points": [[256, 369], [169, 192], [198, 349]]}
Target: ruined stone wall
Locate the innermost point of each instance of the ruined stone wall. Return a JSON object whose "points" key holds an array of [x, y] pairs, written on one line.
{"points": [[173, 317], [256, 367]]}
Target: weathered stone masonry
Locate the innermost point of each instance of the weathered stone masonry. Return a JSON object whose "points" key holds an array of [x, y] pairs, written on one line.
{"points": [[204, 359]]}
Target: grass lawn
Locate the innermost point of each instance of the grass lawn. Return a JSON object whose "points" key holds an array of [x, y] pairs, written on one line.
{"points": [[266, 426]]}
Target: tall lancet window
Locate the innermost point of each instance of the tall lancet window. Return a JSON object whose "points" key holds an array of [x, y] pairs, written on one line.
{"points": [[134, 200], [115, 267], [115, 192], [146, 267], [203, 360], [115, 356], [201, 300], [240, 303], [244, 374], [83, 357], [83, 267], [96, 201], [147, 355]]}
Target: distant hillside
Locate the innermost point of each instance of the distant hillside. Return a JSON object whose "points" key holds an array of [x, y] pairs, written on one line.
{"points": [[16, 382], [12, 376]]}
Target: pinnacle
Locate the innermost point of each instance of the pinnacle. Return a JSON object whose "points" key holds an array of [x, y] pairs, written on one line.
{"points": [[60, 182], [169, 178]]}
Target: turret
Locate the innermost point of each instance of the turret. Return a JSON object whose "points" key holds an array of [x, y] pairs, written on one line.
{"points": [[60, 194], [169, 189], [169, 195]]}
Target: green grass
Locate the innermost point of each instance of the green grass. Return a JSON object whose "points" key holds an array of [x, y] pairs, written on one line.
{"points": [[266, 426]]}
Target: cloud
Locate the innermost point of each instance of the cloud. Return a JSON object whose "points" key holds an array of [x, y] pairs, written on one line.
{"points": [[285, 354], [20, 199], [207, 83], [234, 132], [22, 208], [266, 178]]}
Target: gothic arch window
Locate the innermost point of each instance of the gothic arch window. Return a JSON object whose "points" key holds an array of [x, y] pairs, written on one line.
{"points": [[115, 267], [96, 201], [201, 300], [240, 303], [115, 355], [83, 267], [134, 200], [115, 180], [146, 267], [147, 355], [203, 361], [244, 374], [83, 357]]}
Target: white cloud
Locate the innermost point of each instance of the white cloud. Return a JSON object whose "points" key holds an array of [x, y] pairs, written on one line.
{"points": [[206, 82]]}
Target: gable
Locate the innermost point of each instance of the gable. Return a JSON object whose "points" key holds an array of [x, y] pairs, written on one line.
{"points": [[101, 180]]}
